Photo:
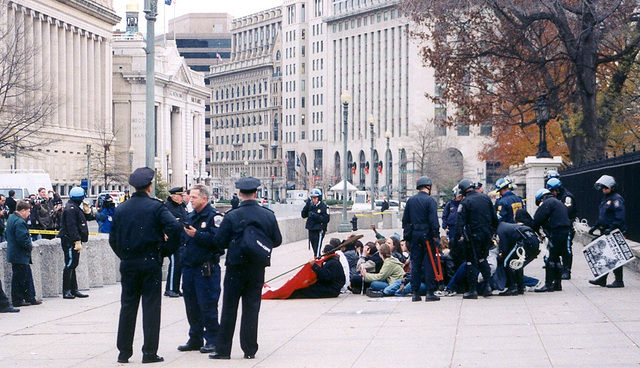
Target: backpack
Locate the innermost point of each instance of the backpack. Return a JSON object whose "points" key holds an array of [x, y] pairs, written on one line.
{"points": [[529, 243], [256, 246]]}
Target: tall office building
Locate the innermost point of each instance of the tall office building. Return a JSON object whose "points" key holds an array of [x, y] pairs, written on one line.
{"points": [[67, 45], [180, 99], [245, 114], [363, 47]]}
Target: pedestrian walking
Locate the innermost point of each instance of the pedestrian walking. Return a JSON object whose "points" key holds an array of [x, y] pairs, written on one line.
{"points": [[244, 277], [611, 216], [315, 211], [73, 232], [142, 233], [421, 228], [201, 272]]}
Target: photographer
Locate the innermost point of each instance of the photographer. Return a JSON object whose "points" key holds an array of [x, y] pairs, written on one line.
{"points": [[47, 212], [4, 214]]}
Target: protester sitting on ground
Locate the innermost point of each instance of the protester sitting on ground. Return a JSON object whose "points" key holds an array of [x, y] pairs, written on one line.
{"points": [[352, 254], [396, 250], [370, 259], [331, 278], [391, 271]]}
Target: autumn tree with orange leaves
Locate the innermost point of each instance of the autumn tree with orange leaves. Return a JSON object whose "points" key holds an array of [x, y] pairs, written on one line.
{"points": [[493, 58]]}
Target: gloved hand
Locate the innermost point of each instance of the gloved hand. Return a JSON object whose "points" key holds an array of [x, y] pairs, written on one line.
{"points": [[77, 246], [593, 230], [606, 231]]}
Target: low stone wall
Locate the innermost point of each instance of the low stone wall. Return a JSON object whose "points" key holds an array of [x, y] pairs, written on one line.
{"points": [[99, 265]]}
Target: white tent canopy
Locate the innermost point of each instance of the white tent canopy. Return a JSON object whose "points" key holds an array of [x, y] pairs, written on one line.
{"points": [[340, 187]]}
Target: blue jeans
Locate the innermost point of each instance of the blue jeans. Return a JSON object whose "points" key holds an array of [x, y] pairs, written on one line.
{"points": [[458, 277], [201, 294], [422, 290]]}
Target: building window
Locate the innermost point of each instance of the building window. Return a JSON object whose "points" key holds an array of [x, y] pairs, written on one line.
{"points": [[463, 130], [486, 129]]}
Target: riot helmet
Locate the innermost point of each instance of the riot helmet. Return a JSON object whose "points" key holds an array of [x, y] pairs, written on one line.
{"points": [[315, 193], [423, 181], [550, 174], [76, 193], [605, 181], [503, 183], [464, 185], [540, 194], [554, 184]]}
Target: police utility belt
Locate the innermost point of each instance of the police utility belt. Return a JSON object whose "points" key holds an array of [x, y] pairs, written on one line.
{"points": [[207, 267]]}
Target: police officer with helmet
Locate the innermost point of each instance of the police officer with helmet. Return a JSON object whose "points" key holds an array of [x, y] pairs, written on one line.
{"points": [[477, 222], [508, 203], [243, 278], [551, 174], [421, 228], [553, 217], [610, 217], [73, 232], [140, 227], [559, 191], [315, 211]]}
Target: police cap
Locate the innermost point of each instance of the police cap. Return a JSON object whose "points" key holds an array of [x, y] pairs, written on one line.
{"points": [[176, 190], [142, 177], [248, 185]]}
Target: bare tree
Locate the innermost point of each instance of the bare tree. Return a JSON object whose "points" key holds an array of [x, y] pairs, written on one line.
{"points": [[434, 157], [108, 164], [26, 102]]}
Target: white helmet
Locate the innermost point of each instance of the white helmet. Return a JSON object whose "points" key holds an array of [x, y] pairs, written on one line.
{"points": [[605, 181]]}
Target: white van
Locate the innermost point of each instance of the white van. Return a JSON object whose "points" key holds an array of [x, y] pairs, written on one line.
{"points": [[24, 182]]}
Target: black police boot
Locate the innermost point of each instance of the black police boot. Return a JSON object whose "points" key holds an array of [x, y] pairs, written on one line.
{"points": [[416, 298], [617, 283], [470, 295], [601, 281], [567, 262], [431, 297], [68, 295], [472, 281], [520, 281], [549, 277], [548, 287], [511, 291]]}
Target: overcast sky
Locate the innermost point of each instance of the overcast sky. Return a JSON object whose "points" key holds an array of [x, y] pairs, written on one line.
{"points": [[237, 8]]}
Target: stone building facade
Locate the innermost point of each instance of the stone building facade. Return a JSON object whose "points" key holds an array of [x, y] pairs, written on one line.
{"points": [[71, 48], [245, 114]]}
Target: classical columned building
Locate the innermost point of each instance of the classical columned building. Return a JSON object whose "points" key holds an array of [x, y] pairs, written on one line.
{"points": [[69, 45], [246, 114], [180, 97]]}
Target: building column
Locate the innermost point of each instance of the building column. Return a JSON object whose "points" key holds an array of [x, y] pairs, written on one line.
{"points": [[93, 119], [84, 80]]}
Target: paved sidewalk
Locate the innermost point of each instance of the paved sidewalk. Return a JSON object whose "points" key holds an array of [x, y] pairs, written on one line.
{"points": [[582, 326]]}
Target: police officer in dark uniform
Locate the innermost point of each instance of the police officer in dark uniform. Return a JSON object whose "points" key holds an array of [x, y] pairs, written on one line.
{"points": [[508, 203], [476, 223], [553, 217], [315, 211], [201, 272], [73, 232], [177, 207], [421, 228], [450, 213], [610, 217], [510, 238], [243, 279], [559, 191], [142, 233]]}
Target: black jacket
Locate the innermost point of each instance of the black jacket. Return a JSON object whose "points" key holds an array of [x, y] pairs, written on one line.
{"points": [[507, 206], [139, 226], [177, 210], [569, 201], [612, 213], [420, 217], [234, 223], [73, 224], [198, 250], [330, 277], [552, 215], [316, 215], [476, 212]]}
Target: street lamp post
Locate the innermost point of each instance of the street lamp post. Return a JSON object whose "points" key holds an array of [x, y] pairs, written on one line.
{"points": [[372, 123], [542, 117], [186, 178], [167, 154], [88, 168], [388, 154], [131, 151], [345, 98], [150, 11], [273, 197]]}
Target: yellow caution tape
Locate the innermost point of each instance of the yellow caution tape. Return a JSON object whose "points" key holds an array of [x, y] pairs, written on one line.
{"points": [[53, 232]]}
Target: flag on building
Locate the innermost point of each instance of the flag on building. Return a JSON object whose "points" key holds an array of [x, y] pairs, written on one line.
{"points": [[217, 54], [167, 2]]}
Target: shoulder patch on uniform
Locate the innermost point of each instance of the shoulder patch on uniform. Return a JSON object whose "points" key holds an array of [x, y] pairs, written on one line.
{"points": [[217, 220], [608, 202], [616, 203], [568, 202]]}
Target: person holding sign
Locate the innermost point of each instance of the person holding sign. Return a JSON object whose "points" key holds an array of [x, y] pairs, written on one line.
{"points": [[611, 216]]}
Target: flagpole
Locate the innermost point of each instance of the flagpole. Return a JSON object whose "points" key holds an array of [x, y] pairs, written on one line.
{"points": [[164, 34]]}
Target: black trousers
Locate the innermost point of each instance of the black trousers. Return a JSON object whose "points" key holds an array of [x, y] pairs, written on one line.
{"points": [[141, 278], [22, 288], [241, 281], [71, 260], [314, 239]]}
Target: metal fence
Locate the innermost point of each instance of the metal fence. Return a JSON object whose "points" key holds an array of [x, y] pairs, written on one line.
{"points": [[625, 169]]}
